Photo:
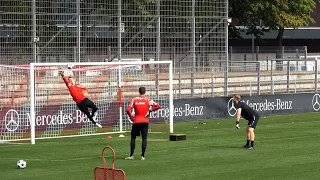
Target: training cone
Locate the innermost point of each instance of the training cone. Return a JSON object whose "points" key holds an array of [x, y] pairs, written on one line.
{"points": [[121, 135], [109, 137]]}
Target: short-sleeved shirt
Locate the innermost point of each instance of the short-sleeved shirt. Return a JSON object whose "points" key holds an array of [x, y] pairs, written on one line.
{"points": [[247, 112]]}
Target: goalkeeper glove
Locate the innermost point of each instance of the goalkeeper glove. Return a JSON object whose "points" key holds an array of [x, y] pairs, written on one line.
{"points": [[237, 124], [149, 112], [61, 73]]}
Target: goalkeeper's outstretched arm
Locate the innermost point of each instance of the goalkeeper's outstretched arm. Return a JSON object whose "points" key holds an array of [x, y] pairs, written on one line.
{"points": [[61, 73]]}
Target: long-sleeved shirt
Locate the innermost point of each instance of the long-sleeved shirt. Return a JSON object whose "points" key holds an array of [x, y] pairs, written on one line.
{"points": [[76, 90], [141, 106]]}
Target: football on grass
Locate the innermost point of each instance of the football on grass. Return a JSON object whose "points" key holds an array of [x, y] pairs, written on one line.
{"points": [[21, 164]]}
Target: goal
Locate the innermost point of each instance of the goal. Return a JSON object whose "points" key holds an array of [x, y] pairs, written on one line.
{"points": [[36, 103]]}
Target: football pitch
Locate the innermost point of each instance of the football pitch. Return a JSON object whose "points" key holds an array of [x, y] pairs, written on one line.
{"points": [[286, 147]]}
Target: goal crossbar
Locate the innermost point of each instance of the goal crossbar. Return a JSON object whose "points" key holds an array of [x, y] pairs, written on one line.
{"points": [[91, 66]]}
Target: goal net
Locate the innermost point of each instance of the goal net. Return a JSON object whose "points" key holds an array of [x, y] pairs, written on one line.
{"points": [[37, 104]]}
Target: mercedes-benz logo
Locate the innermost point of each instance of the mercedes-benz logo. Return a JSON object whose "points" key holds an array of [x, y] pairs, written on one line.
{"points": [[12, 120], [315, 102], [231, 109]]}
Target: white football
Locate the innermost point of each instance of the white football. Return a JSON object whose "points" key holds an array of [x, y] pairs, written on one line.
{"points": [[70, 66], [21, 164]]}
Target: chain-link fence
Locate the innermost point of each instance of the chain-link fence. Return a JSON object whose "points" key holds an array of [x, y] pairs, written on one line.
{"points": [[190, 32], [252, 78]]}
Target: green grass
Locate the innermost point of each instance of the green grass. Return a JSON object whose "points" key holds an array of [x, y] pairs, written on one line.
{"points": [[286, 147]]}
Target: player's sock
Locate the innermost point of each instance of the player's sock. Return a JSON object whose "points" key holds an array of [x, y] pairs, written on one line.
{"points": [[252, 143], [248, 142], [90, 117], [247, 145], [94, 114], [93, 121]]}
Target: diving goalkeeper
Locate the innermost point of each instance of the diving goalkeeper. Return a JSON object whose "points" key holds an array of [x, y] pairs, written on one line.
{"points": [[79, 93]]}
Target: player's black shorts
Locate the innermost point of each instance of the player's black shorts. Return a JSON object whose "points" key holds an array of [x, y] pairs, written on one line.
{"points": [[140, 128], [84, 104], [254, 121]]}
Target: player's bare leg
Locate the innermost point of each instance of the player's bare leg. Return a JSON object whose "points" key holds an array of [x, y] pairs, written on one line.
{"points": [[248, 137], [252, 136]]}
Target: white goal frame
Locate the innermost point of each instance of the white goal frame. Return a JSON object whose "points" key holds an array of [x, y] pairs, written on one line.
{"points": [[32, 89]]}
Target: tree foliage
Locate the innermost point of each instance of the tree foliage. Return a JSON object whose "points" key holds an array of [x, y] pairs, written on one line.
{"points": [[261, 16]]}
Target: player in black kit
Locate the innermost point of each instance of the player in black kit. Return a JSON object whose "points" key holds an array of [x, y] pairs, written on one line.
{"points": [[249, 114]]}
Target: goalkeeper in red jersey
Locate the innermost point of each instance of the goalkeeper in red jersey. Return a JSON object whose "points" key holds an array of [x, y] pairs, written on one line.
{"points": [[79, 93], [142, 107]]}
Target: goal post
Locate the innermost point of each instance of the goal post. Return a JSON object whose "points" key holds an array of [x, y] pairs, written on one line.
{"points": [[32, 104], [119, 77], [45, 108]]}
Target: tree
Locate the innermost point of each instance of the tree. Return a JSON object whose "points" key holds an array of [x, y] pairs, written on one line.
{"points": [[274, 15]]}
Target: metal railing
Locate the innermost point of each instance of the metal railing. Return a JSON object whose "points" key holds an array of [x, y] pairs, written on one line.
{"points": [[278, 76]]}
